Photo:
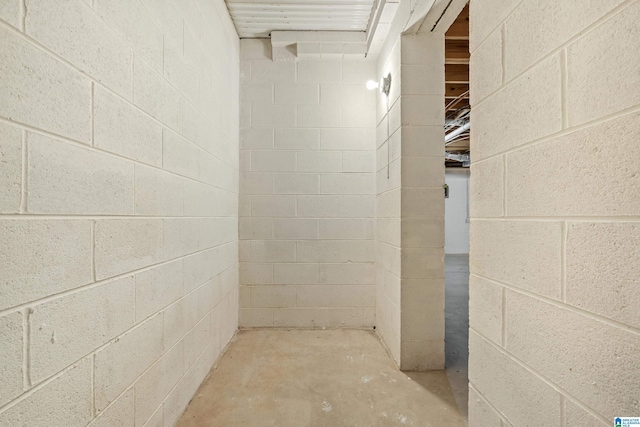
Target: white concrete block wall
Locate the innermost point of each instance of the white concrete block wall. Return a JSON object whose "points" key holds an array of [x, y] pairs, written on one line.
{"points": [[410, 202], [118, 216], [388, 208], [554, 229], [307, 189]]}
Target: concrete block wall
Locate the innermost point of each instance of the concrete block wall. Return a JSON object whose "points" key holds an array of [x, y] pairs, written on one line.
{"points": [[554, 204], [422, 201], [307, 204], [410, 202], [388, 199], [118, 215]]}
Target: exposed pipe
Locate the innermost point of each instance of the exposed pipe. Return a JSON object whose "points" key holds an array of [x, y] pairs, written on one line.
{"points": [[464, 158], [448, 137]]}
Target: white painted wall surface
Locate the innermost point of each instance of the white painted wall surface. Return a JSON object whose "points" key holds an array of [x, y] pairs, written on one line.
{"points": [[456, 237], [410, 203], [555, 204], [118, 225], [388, 222], [307, 191]]}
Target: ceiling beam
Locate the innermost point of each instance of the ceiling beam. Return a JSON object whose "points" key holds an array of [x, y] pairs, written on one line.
{"points": [[456, 73], [454, 90]]}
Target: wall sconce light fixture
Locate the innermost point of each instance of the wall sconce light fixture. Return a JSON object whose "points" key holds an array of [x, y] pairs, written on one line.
{"points": [[384, 84]]}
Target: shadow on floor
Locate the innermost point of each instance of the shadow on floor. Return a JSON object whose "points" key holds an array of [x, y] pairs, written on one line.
{"points": [[318, 378]]}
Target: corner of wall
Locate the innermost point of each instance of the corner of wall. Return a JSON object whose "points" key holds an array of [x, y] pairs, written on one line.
{"points": [[410, 213]]}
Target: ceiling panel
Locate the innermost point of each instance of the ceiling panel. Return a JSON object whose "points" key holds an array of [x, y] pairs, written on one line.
{"points": [[257, 18]]}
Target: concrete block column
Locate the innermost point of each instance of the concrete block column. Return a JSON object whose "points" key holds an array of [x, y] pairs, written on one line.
{"points": [[410, 228], [422, 201]]}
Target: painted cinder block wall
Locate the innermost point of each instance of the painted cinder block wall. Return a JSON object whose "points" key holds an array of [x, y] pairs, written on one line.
{"points": [[307, 203], [555, 325], [388, 142], [119, 174], [410, 200]]}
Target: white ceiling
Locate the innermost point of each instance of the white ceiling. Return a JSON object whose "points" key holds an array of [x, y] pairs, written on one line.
{"points": [[258, 18]]}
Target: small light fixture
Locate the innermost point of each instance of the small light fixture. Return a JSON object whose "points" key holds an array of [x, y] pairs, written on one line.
{"points": [[384, 84]]}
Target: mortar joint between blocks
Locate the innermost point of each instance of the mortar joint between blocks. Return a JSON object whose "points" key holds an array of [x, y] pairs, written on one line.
{"points": [[133, 89], [504, 185], [133, 208], [93, 113], [556, 387], [94, 411], [133, 392], [563, 261], [25, 173], [503, 336], [564, 132], [555, 51], [23, 15], [487, 402], [26, 348], [93, 250], [564, 84], [564, 306], [503, 35]]}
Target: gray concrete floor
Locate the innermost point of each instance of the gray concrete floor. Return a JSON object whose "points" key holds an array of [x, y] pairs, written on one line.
{"points": [[319, 378], [457, 327]]}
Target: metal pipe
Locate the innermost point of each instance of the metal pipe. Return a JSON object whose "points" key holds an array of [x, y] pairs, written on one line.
{"points": [[448, 137]]}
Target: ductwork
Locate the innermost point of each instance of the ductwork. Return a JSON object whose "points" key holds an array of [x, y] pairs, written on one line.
{"points": [[464, 158]]}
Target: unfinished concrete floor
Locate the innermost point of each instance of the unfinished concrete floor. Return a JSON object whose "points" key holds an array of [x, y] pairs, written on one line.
{"points": [[456, 338], [323, 378]]}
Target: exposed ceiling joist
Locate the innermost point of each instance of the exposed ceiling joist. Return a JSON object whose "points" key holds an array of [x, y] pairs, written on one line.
{"points": [[457, 51], [453, 90], [457, 126], [456, 73]]}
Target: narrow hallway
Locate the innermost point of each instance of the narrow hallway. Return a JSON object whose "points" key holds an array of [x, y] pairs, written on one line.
{"points": [[318, 378], [250, 211], [456, 315]]}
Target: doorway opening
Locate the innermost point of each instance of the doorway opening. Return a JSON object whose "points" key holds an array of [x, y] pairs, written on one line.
{"points": [[457, 175]]}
